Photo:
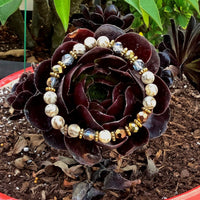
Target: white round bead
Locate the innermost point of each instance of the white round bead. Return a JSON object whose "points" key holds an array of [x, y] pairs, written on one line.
{"points": [[79, 49], [73, 130], [103, 41], [90, 42], [104, 136], [50, 97], [51, 110], [148, 77], [151, 89], [57, 122], [149, 102]]}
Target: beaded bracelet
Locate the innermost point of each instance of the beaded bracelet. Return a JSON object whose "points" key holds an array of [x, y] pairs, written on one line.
{"points": [[104, 136]]}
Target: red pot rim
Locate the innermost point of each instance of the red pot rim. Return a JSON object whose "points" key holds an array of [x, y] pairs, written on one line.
{"points": [[193, 194]]}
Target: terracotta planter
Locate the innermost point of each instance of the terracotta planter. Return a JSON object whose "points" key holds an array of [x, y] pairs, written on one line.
{"points": [[193, 194]]}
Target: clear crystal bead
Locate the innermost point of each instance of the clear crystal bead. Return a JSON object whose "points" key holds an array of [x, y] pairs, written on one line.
{"points": [[138, 65], [89, 134], [52, 82], [117, 47], [67, 59]]}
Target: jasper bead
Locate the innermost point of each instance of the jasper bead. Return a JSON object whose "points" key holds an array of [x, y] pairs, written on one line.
{"points": [[151, 89], [51, 110], [79, 49], [73, 130], [103, 41], [89, 134], [142, 116], [90, 42], [104, 136], [149, 102], [67, 59], [120, 133], [148, 77], [138, 65], [50, 97], [57, 122], [117, 47]]}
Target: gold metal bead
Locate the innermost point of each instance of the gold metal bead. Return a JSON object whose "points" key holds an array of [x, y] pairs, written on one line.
{"points": [[61, 64], [81, 133], [50, 89], [138, 123], [111, 43], [96, 136], [143, 70], [113, 136], [146, 110], [120, 133], [133, 127], [74, 54], [128, 130], [53, 74], [64, 130], [124, 51]]}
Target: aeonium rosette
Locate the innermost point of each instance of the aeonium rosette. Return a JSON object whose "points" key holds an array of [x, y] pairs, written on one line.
{"points": [[94, 93]]}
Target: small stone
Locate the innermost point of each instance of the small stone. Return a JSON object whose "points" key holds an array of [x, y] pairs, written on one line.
{"points": [[67, 59], [26, 149], [185, 173], [73, 130]]}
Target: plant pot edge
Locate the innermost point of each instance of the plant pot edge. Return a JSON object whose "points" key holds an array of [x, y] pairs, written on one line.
{"points": [[193, 194]]}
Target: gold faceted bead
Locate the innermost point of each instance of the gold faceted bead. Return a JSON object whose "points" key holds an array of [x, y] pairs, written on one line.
{"points": [[120, 133], [142, 116], [57, 69], [133, 127], [138, 123], [128, 130]]}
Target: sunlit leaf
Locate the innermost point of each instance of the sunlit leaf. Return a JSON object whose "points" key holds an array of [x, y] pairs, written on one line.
{"points": [[7, 8], [135, 4], [195, 4], [150, 7], [63, 10], [145, 18]]}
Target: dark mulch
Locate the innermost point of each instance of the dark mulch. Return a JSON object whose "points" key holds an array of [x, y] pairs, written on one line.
{"points": [[175, 154]]}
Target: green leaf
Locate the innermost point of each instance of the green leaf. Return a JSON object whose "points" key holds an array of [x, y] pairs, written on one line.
{"points": [[168, 9], [7, 8], [63, 10], [145, 18], [195, 4], [150, 7], [182, 20], [135, 4]]}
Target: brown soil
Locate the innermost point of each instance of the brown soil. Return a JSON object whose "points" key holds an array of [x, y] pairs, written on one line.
{"points": [[30, 173]]}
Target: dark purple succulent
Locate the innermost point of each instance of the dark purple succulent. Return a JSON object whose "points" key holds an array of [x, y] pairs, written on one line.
{"points": [[182, 49], [100, 91], [21, 92], [92, 20]]}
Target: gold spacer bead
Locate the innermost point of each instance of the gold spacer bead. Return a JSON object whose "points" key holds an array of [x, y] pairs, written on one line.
{"points": [[113, 136], [50, 89], [146, 110], [54, 74], [128, 130], [124, 51], [73, 54], [61, 64], [96, 136], [111, 43], [143, 70], [81, 133], [138, 123]]}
